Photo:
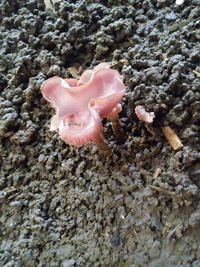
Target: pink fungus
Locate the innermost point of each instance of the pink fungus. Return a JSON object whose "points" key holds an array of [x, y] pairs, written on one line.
{"points": [[143, 115], [81, 104]]}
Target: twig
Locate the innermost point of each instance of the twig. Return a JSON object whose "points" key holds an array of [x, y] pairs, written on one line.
{"points": [[172, 138]]}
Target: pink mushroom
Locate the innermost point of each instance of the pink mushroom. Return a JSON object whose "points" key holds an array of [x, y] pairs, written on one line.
{"points": [[143, 115], [81, 104]]}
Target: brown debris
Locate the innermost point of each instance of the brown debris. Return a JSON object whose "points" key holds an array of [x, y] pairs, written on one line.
{"points": [[150, 128], [75, 72], [49, 4], [166, 192], [178, 25], [197, 73], [163, 56], [13, 77], [172, 138], [124, 61], [156, 173]]}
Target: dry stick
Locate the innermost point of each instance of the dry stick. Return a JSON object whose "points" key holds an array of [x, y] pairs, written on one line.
{"points": [[13, 77], [166, 192], [101, 143], [172, 138]]}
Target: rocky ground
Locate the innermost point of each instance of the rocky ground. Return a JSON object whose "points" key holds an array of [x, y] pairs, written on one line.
{"points": [[74, 206]]}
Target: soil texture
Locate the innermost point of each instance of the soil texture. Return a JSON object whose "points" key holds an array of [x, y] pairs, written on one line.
{"points": [[75, 206]]}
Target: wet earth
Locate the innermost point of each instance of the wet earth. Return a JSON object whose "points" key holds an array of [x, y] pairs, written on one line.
{"points": [[77, 206]]}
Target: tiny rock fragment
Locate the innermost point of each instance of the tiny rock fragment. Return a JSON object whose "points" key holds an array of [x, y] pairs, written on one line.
{"points": [[106, 234], [146, 218], [115, 239], [124, 61], [179, 2], [172, 138], [163, 105]]}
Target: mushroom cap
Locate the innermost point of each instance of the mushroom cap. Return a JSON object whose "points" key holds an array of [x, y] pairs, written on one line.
{"points": [[80, 104]]}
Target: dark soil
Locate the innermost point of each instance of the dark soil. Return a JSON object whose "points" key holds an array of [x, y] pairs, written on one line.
{"points": [[74, 206]]}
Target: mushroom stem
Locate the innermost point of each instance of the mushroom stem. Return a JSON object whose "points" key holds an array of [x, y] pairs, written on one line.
{"points": [[114, 117], [101, 143], [117, 128]]}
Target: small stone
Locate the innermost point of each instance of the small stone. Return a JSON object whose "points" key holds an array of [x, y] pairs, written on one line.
{"points": [[115, 239], [16, 178], [28, 254], [171, 16], [155, 223], [68, 263], [194, 219], [196, 263], [179, 2]]}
